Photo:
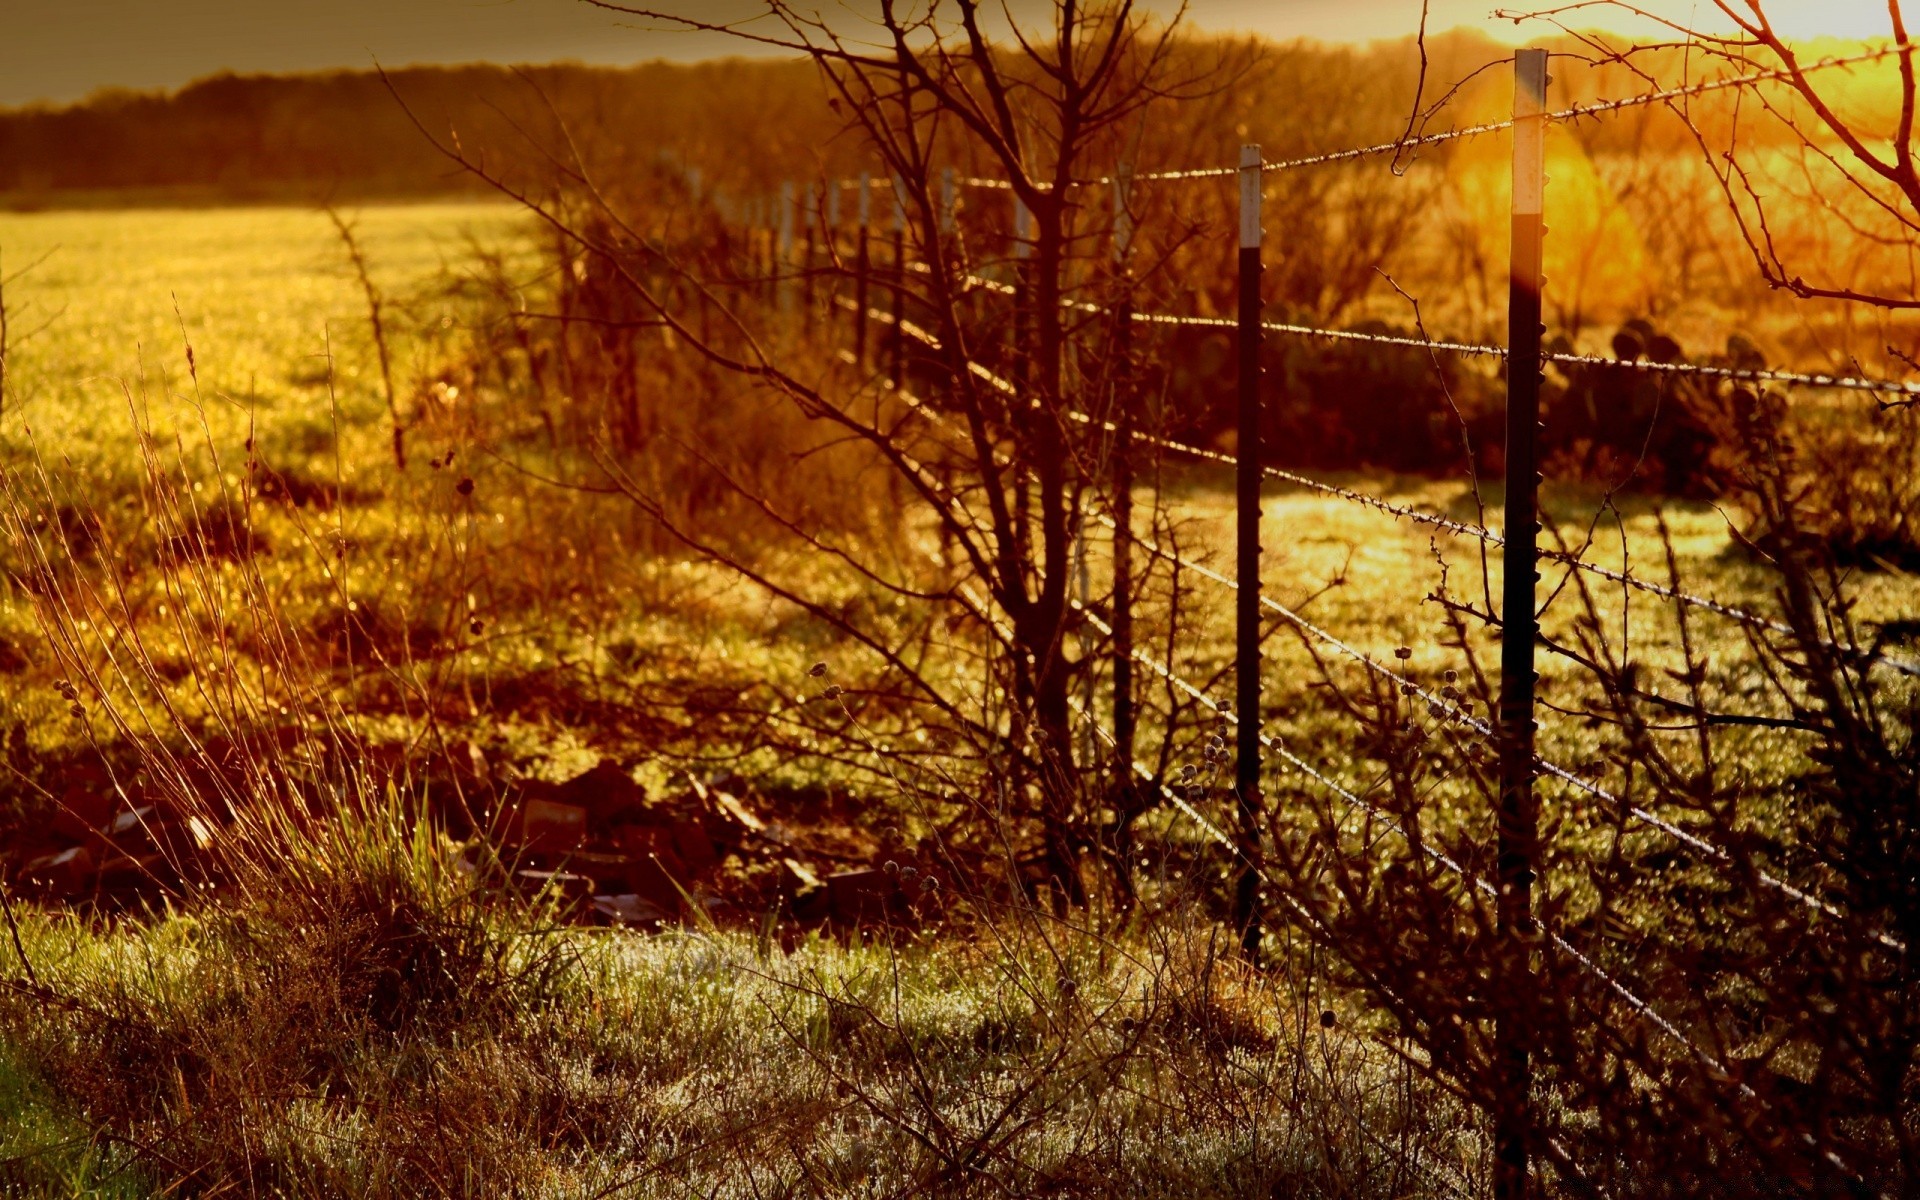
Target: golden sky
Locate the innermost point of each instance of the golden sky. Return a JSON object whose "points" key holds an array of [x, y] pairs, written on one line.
{"points": [[62, 49]]}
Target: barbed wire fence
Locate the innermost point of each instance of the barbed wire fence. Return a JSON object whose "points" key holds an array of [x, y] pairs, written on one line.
{"points": [[787, 267]]}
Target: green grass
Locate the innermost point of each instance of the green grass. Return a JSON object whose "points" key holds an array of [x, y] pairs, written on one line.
{"points": [[113, 300], [549, 628], [47, 1148], [261, 293], [1033, 1058], [576, 610]]}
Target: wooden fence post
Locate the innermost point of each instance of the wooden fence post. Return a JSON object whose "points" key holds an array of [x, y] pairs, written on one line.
{"points": [[1248, 479], [1519, 814]]}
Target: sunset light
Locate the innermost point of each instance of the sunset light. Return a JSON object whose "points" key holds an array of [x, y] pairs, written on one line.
{"points": [[959, 599]]}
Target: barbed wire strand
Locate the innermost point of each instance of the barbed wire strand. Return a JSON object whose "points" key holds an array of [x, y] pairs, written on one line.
{"points": [[1483, 534], [1814, 379], [1419, 516], [1438, 705], [1353, 800], [1574, 112], [1642, 1007]]}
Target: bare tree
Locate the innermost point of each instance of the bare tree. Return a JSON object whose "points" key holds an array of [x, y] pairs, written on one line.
{"points": [[1006, 462]]}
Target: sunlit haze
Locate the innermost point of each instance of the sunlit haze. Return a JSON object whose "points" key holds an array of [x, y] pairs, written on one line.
{"points": [[60, 50]]}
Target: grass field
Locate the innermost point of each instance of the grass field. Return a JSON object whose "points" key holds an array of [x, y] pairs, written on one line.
{"points": [[468, 605], [113, 299], [575, 621]]}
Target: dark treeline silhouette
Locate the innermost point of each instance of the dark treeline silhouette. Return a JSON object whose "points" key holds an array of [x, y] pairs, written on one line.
{"points": [[747, 124], [348, 134]]}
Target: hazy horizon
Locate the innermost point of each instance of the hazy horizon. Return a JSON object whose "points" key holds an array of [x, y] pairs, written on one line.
{"points": [[60, 51]]}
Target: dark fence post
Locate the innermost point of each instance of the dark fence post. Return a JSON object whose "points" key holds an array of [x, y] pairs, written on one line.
{"points": [[831, 235], [763, 249], [898, 355], [862, 265], [1519, 815], [1125, 789], [1247, 651], [811, 215], [784, 254], [1123, 403], [1022, 336]]}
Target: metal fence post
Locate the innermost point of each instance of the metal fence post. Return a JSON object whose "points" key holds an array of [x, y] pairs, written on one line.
{"points": [[830, 233], [810, 216], [1126, 791], [784, 256], [1519, 814], [1248, 479], [1022, 333], [763, 219], [862, 265], [898, 350]]}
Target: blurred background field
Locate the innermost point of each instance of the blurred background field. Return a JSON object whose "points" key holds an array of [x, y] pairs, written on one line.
{"points": [[260, 294]]}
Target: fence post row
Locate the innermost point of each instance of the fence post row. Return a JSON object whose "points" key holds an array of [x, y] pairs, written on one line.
{"points": [[1248, 479], [1518, 815]]}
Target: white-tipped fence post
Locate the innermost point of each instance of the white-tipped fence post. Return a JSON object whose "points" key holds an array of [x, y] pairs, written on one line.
{"points": [[1519, 814], [1250, 467]]}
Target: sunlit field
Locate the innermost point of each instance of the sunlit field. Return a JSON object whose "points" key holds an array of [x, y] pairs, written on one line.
{"points": [[104, 318], [623, 690], [620, 1064], [263, 296]]}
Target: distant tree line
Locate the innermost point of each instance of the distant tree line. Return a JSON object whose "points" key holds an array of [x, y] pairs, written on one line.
{"points": [[746, 124], [353, 134]]}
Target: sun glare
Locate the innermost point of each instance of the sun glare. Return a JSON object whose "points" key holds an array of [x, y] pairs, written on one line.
{"points": [[1330, 20], [1796, 19]]}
